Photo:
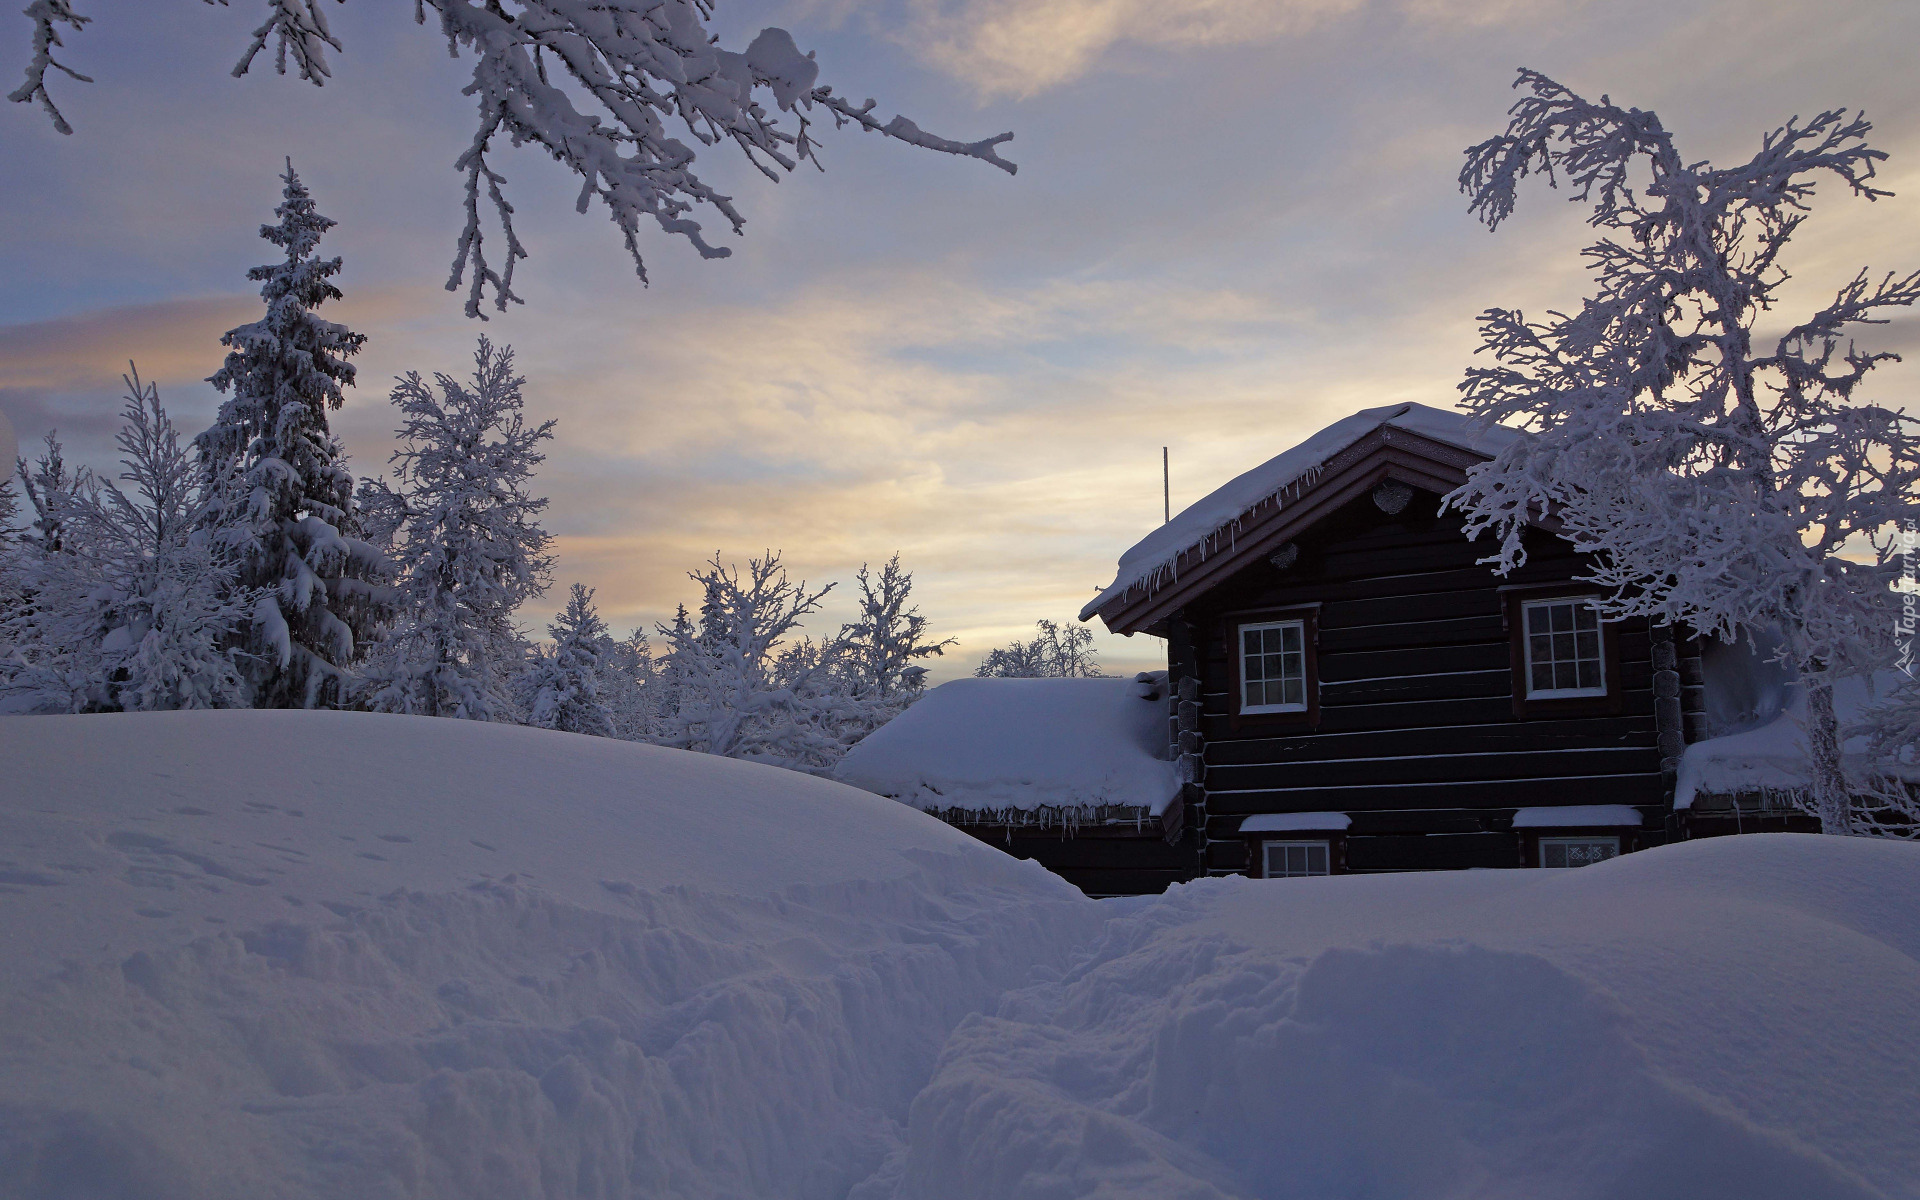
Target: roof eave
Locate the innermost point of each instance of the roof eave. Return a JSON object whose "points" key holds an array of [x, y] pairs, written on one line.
{"points": [[1385, 453]]}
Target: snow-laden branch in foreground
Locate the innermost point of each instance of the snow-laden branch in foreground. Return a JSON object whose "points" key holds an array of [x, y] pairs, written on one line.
{"points": [[46, 15], [597, 84]]}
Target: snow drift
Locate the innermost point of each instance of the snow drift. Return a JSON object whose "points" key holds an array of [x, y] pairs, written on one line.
{"points": [[325, 955], [1730, 1018], [345, 955]]}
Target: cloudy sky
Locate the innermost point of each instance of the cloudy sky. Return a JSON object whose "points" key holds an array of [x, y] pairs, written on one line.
{"points": [[1234, 221]]}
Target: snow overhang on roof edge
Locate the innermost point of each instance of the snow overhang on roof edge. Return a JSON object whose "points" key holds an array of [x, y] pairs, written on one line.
{"points": [[1204, 525]]}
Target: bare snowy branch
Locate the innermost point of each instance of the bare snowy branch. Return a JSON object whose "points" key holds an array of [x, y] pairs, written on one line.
{"points": [[297, 27], [45, 14], [594, 83]]}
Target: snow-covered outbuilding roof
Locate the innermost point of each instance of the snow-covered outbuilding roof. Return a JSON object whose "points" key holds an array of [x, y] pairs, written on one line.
{"points": [[1024, 746], [1213, 520], [1772, 757]]}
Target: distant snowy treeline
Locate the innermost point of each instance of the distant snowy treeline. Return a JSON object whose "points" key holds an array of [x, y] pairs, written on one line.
{"points": [[249, 569]]}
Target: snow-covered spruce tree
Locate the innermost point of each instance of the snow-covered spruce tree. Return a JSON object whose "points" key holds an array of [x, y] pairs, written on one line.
{"points": [[1056, 652], [464, 532], [562, 684], [1730, 485], [595, 83], [134, 611], [736, 687], [889, 635], [284, 503]]}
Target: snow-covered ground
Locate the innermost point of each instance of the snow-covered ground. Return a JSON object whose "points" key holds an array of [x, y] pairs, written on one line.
{"points": [[251, 954]]}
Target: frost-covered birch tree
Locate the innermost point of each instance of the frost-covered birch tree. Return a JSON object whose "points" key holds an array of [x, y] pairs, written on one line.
{"points": [[886, 640], [1889, 786], [10, 595], [9, 511], [741, 686], [132, 609], [1056, 652], [629, 687], [464, 532], [1714, 456], [601, 86], [9, 540], [49, 488], [284, 510], [37, 643], [562, 685]]}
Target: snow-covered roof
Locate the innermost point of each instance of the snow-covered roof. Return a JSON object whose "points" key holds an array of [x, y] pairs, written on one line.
{"points": [[1221, 510], [1002, 745], [1772, 757], [1296, 822], [1576, 816]]}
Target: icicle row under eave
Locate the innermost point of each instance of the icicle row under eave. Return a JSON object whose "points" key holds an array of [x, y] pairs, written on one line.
{"points": [[1069, 818], [1167, 573]]}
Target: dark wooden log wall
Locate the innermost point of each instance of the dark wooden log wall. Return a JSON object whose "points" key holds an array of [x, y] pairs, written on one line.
{"points": [[1102, 860], [1417, 735]]}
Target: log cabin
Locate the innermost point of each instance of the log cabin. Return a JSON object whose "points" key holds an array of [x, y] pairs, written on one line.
{"points": [[1355, 691], [1349, 689]]}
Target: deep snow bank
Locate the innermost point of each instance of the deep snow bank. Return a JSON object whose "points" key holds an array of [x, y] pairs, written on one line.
{"points": [[1734, 1019], [258, 954], [443, 960]]}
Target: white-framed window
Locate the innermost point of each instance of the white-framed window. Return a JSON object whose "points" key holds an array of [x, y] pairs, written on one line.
{"points": [[1294, 860], [1577, 851], [1273, 667], [1563, 649]]}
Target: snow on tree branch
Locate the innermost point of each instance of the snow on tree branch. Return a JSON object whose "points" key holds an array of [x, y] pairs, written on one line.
{"points": [[597, 85], [45, 14], [297, 27], [1594, 146], [1733, 488]]}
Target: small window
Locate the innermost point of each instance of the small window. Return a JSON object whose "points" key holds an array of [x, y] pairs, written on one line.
{"points": [[1577, 851], [1563, 649], [1294, 860], [1273, 667]]}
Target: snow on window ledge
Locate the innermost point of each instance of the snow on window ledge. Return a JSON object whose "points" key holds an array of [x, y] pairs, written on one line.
{"points": [[1315, 822]]}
